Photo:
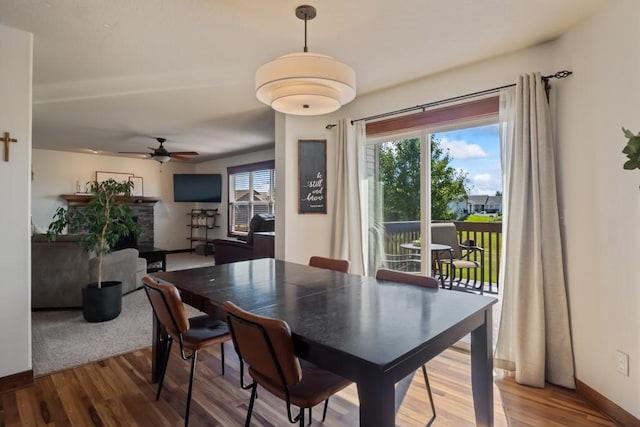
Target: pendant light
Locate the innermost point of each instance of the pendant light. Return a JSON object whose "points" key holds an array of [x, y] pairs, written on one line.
{"points": [[304, 83]]}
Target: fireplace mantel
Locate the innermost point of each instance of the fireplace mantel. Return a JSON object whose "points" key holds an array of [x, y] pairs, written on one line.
{"points": [[142, 208], [83, 199]]}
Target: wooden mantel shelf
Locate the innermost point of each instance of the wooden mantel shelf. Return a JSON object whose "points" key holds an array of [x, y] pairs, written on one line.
{"points": [[83, 199]]}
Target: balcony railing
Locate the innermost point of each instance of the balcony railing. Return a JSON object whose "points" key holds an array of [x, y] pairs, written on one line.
{"points": [[487, 235]]}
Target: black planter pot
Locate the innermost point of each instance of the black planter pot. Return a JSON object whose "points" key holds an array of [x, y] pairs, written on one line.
{"points": [[101, 304]]}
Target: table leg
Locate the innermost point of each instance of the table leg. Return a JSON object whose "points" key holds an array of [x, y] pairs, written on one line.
{"points": [[164, 261], [438, 267], [159, 348], [401, 390], [482, 371], [377, 403]]}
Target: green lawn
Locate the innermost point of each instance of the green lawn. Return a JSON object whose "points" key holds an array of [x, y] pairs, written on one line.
{"points": [[483, 218]]}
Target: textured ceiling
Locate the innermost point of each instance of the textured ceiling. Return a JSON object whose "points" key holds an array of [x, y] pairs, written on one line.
{"points": [[109, 75]]}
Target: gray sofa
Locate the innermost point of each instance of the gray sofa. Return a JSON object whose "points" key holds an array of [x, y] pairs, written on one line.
{"points": [[59, 269]]}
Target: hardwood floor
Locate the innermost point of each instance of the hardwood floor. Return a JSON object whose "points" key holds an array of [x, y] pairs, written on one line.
{"points": [[117, 392]]}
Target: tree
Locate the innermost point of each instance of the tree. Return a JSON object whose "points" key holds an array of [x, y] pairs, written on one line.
{"points": [[448, 184], [102, 222], [400, 174]]}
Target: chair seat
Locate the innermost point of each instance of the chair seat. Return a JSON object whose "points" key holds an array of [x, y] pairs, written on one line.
{"points": [[461, 263], [205, 331], [316, 386]]}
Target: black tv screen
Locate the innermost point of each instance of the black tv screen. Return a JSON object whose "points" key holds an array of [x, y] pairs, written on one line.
{"points": [[202, 187]]}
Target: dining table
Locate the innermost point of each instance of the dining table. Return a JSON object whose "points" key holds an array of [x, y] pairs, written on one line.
{"points": [[374, 333]]}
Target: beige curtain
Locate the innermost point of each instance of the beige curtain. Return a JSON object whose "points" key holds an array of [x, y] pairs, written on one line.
{"points": [[534, 337], [347, 236]]}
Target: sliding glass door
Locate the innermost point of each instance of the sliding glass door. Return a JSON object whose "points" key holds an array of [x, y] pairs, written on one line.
{"points": [[398, 181], [424, 176]]}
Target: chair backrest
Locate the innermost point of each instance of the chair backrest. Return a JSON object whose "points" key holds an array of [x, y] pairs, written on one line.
{"points": [[260, 223], [167, 306], [341, 265], [265, 344], [445, 233], [409, 278]]}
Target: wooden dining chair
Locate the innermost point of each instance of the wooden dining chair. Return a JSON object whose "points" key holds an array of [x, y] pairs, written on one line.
{"points": [[266, 346], [341, 265], [192, 334], [387, 275]]}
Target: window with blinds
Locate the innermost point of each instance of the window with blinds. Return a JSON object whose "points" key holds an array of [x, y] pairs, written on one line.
{"points": [[251, 191]]}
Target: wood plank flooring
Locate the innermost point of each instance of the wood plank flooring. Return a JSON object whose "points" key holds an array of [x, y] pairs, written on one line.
{"points": [[117, 392]]}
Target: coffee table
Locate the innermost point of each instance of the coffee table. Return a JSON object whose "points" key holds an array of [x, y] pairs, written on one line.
{"points": [[156, 258]]}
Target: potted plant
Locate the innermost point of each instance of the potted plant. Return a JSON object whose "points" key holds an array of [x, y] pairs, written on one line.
{"points": [[101, 223], [632, 150]]}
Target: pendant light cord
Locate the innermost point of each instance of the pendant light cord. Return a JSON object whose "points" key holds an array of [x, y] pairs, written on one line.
{"points": [[305, 33]]}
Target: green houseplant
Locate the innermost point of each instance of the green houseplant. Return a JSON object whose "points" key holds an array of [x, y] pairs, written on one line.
{"points": [[101, 223], [632, 150]]}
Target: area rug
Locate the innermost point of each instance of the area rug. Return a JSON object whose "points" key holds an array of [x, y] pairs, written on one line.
{"points": [[62, 339]]}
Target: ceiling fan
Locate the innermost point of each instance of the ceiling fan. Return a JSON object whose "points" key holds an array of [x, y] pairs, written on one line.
{"points": [[160, 154]]}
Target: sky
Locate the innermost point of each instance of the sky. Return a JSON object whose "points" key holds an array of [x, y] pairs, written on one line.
{"points": [[476, 151]]}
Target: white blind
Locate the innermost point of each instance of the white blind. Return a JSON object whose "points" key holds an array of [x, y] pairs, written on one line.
{"points": [[251, 192]]}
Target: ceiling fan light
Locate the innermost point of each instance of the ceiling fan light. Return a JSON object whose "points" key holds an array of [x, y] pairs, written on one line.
{"points": [[161, 158]]}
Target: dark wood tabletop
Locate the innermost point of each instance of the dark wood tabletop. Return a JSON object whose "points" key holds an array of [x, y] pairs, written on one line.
{"points": [[373, 333]]}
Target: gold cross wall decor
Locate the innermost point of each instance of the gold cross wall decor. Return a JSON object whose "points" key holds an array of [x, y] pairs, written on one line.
{"points": [[7, 140]]}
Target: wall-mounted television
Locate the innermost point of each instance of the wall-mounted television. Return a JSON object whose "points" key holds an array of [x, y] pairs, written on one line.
{"points": [[197, 187]]}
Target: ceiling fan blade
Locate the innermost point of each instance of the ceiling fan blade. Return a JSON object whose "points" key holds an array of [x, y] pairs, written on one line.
{"points": [[134, 152], [179, 157], [184, 153]]}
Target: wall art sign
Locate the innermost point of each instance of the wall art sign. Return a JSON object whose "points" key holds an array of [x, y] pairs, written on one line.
{"points": [[312, 172], [137, 189]]}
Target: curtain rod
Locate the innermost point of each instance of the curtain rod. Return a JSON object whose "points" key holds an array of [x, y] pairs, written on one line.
{"points": [[559, 75]]}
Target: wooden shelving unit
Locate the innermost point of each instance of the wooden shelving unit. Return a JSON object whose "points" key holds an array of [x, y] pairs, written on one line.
{"points": [[202, 221]]}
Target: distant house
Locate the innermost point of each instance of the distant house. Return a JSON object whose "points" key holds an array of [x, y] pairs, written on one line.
{"points": [[478, 204], [484, 204], [494, 204], [244, 207]]}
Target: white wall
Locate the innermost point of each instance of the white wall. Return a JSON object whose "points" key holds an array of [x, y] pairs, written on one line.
{"points": [[56, 173], [220, 166], [15, 248], [600, 202], [307, 234]]}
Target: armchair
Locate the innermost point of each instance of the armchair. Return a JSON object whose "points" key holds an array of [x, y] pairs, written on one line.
{"points": [[259, 242], [465, 257]]}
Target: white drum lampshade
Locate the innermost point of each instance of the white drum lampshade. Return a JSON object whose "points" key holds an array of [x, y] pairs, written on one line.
{"points": [[305, 84]]}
